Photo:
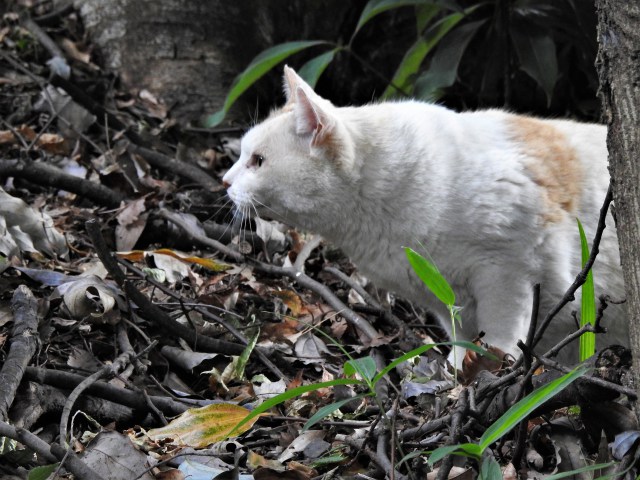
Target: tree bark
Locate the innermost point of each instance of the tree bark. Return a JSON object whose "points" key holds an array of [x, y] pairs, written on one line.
{"points": [[188, 53], [619, 71]]}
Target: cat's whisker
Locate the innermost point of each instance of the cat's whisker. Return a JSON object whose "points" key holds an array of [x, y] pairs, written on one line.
{"points": [[266, 207], [224, 205]]}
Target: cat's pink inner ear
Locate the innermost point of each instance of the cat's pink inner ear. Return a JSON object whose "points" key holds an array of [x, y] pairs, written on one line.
{"points": [[307, 113], [311, 118]]}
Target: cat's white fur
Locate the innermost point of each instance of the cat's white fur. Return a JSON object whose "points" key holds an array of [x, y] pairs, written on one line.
{"points": [[489, 196]]}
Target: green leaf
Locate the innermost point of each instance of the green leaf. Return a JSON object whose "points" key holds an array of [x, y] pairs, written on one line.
{"points": [[490, 470], [365, 367], [328, 410], [43, 472], [376, 7], [199, 427], [260, 65], [462, 449], [431, 277], [588, 307], [289, 394], [323, 461], [408, 67], [524, 407], [424, 15], [424, 45], [312, 70], [443, 69], [244, 357], [588, 468], [407, 356], [537, 54]]}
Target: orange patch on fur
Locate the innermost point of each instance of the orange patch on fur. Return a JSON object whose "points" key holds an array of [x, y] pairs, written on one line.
{"points": [[552, 164]]}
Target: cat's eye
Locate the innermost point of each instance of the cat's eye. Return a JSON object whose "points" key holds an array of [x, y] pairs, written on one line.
{"points": [[256, 160]]}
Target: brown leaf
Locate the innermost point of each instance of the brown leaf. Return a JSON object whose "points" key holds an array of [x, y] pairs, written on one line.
{"points": [[291, 299], [474, 362]]}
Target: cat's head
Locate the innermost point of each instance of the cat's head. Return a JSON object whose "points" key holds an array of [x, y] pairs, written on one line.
{"points": [[295, 161]]}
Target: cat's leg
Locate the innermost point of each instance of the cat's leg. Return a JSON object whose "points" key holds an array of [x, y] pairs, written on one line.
{"points": [[503, 296]]}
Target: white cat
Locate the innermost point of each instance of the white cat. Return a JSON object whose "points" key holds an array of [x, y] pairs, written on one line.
{"points": [[491, 197]]}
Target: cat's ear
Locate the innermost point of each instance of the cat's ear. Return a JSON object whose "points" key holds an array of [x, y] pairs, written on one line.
{"points": [[293, 81], [290, 82], [311, 118]]}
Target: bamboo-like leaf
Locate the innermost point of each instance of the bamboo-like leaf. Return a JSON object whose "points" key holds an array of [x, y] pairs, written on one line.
{"points": [[260, 65], [328, 410], [424, 45], [365, 367], [536, 51], [199, 427], [431, 277], [443, 69], [289, 394], [588, 307], [524, 407], [312, 70], [376, 7]]}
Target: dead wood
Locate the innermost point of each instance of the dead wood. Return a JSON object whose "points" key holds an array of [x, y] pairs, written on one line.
{"points": [[24, 342], [50, 453], [177, 167], [135, 400], [47, 175], [151, 312], [584, 391], [36, 401]]}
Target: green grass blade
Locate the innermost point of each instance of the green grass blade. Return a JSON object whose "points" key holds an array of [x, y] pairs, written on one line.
{"points": [[464, 449], [431, 277], [260, 65], [312, 70], [524, 407], [588, 307], [289, 394], [588, 468], [328, 410]]}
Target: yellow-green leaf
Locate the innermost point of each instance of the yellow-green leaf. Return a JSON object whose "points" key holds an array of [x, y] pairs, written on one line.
{"points": [[199, 427], [588, 307]]}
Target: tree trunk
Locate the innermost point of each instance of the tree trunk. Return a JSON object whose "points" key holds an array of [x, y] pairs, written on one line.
{"points": [[619, 70], [188, 53]]}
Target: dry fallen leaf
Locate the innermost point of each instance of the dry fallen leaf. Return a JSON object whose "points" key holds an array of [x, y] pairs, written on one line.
{"points": [[30, 228], [199, 427]]}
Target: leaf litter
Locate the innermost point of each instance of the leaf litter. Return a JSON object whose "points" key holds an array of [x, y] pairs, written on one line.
{"points": [[171, 409]]}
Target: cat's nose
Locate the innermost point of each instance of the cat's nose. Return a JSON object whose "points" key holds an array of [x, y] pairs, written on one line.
{"points": [[225, 184]]}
